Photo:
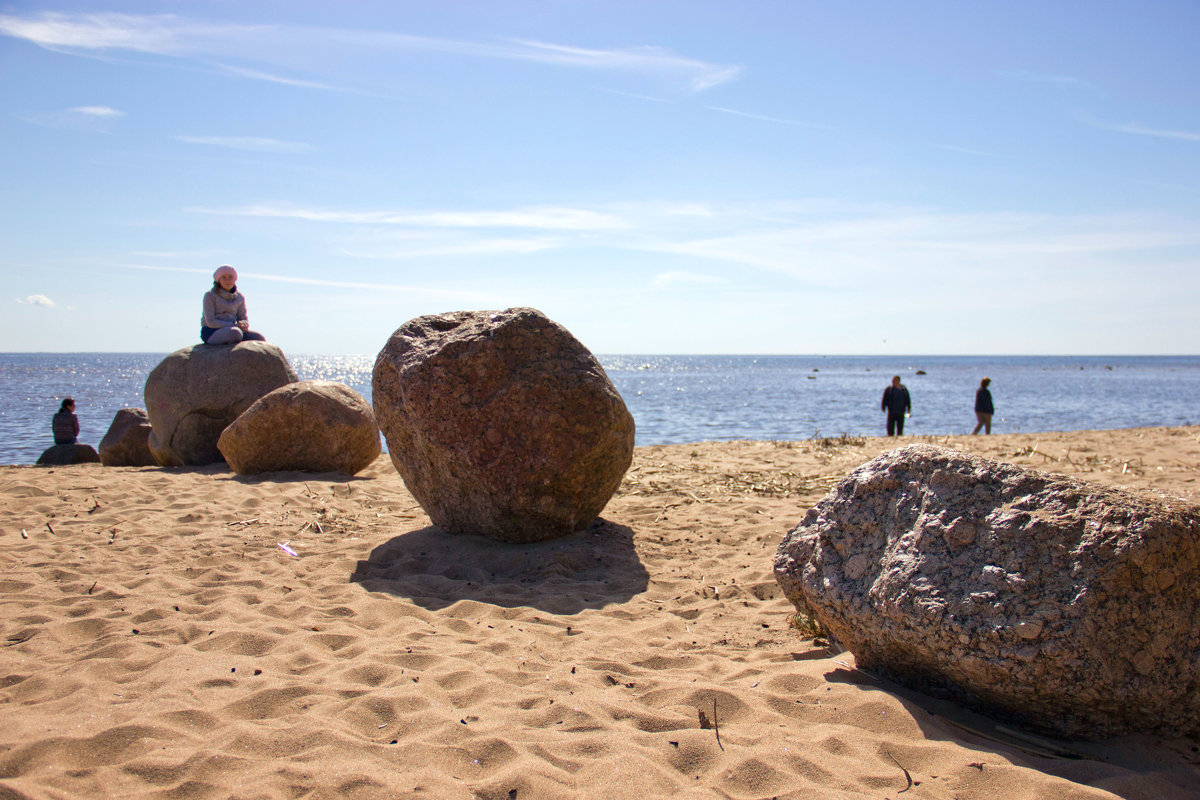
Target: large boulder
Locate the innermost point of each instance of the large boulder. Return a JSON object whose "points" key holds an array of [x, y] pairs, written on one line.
{"points": [[311, 426], [1066, 606], [194, 393], [127, 443], [61, 455], [501, 423]]}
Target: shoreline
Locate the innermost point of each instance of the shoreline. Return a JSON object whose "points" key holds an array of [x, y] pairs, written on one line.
{"points": [[161, 641]]}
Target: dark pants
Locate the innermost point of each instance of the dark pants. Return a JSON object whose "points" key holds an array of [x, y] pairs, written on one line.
{"points": [[895, 425]]}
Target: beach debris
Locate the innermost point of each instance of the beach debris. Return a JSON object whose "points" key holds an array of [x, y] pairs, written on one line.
{"points": [[188, 407], [24, 535], [50, 528], [287, 548], [1064, 606], [907, 776], [501, 423], [127, 442], [717, 726], [309, 426]]}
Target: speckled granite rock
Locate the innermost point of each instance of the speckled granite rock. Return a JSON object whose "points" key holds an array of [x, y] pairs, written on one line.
{"points": [[310, 426], [194, 393], [501, 423], [61, 455], [127, 442], [1066, 606]]}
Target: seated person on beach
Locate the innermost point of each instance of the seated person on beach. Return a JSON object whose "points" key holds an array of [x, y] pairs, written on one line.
{"points": [[224, 320], [65, 425]]}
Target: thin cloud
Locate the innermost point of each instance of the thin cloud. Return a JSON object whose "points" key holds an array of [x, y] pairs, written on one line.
{"points": [[483, 247], [36, 300], [94, 119], [701, 75], [259, 75], [175, 36], [391, 287], [548, 218], [254, 143], [1141, 130], [96, 111], [763, 118], [967, 150], [164, 34], [1062, 81], [666, 280]]}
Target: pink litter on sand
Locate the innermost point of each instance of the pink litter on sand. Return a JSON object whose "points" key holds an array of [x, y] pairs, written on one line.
{"points": [[284, 547]]}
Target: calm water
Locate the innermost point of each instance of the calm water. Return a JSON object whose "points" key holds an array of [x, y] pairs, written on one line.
{"points": [[677, 399]]}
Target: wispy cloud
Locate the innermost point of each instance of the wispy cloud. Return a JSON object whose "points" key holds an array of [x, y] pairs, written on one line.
{"points": [[1141, 130], [1062, 81], [96, 119], [968, 150], [853, 251], [700, 75], [422, 291], [181, 37], [96, 111], [259, 75], [477, 248], [36, 300], [254, 143], [672, 278], [542, 217], [763, 118]]}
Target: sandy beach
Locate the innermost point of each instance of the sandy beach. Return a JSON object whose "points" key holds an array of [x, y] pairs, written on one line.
{"points": [[189, 633]]}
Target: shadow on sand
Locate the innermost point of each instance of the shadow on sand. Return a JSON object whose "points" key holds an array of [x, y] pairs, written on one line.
{"points": [[434, 569], [1134, 766]]}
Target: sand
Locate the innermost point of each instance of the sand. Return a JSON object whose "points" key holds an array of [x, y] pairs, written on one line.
{"points": [[160, 639]]}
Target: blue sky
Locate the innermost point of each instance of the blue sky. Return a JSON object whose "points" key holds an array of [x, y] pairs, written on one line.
{"points": [[657, 176]]}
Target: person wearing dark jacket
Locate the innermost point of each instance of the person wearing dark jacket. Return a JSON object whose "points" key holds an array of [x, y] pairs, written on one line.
{"points": [[65, 425], [896, 402], [983, 407]]}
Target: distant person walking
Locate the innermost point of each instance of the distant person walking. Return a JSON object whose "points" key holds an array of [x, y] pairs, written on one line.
{"points": [[65, 425], [224, 320], [896, 403], [983, 407]]}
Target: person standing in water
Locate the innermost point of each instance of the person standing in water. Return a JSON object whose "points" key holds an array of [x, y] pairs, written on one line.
{"points": [[896, 402], [983, 407], [224, 320]]}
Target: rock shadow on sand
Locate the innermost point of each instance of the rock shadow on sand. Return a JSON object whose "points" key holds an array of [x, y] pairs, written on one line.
{"points": [[435, 569], [1135, 765]]}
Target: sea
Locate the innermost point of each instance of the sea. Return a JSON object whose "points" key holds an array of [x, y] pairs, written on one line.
{"points": [[681, 399]]}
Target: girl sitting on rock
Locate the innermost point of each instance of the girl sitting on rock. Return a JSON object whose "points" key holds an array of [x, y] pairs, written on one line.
{"points": [[224, 320]]}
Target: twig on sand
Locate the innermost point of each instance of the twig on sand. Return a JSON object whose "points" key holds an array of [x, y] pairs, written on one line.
{"points": [[49, 528], [242, 522], [717, 726], [902, 769]]}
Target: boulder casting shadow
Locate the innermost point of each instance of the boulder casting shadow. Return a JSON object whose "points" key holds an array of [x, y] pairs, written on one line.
{"points": [[434, 569]]}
